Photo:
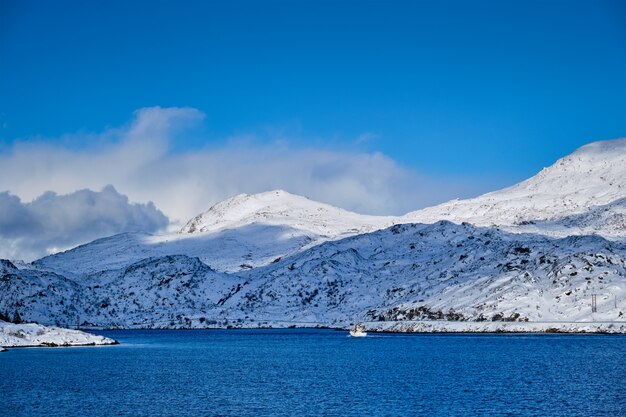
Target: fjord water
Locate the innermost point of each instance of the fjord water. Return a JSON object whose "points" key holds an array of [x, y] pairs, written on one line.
{"points": [[319, 372]]}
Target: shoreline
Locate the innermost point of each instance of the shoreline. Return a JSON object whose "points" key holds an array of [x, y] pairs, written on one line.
{"points": [[502, 327], [7, 348], [426, 327]]}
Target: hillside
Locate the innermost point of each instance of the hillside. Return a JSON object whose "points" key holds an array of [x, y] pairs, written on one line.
{"points": [[442, 271]]}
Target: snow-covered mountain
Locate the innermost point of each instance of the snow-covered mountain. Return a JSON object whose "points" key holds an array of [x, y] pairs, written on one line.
{"points": [[584, 192], [533, 253], [240, 233], [442, 271]]}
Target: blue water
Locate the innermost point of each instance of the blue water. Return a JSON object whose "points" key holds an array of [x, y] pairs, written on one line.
{"points": [[319, 372]]}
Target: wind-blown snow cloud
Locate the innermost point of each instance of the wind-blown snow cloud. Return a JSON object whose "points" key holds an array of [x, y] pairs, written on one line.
{"points": [[54, 222], [137, 159]]}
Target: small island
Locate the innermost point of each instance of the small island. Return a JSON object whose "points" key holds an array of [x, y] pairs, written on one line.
{"points": [[36, 335]]}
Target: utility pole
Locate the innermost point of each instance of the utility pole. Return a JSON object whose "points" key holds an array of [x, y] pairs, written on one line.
{"points": [[594, 305]]}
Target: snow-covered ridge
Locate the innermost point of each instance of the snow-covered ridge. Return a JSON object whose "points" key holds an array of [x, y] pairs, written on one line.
{"points": [[592, 176], [582, 193], [32, 335]]}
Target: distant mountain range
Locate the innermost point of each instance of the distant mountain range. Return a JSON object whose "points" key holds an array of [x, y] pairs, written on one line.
{"points": [[537, 252]]}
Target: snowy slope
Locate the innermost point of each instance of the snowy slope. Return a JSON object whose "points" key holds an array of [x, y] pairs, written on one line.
{"points": [[280, 208], [592, 176], [54, 294], [442, 271], [161, 292], [423, 271], [225, 250]]}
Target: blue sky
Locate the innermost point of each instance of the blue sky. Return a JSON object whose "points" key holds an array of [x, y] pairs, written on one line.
{"points": [[447, 98], [485, 87]]}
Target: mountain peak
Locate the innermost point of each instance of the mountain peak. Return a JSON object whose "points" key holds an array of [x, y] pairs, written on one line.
{"points": [[602, 147], [281, 208], [273, 197]]}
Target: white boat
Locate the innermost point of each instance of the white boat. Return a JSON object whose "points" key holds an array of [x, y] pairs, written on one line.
{"points": [[358, 330]]}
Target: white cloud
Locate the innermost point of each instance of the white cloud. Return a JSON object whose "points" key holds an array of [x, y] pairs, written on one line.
{"points": [[54, 222], [137, 160]]}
